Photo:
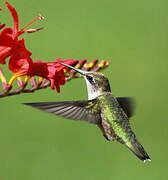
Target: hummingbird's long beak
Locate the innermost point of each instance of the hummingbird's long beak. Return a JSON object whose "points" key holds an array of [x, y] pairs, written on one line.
{"points": [[77, 70]]}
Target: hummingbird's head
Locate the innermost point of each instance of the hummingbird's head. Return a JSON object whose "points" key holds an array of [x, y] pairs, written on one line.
{"points": [[96, 82]]}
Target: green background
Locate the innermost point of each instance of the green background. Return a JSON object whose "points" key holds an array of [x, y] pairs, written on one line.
{"points": [[133, 35]]}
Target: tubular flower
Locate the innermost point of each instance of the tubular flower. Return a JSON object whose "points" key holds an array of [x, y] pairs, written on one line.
{"points": [[20, 60], [54, 72], [9, 42]]}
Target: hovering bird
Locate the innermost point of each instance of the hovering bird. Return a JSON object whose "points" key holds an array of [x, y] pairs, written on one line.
{"points": [[109, 113]]}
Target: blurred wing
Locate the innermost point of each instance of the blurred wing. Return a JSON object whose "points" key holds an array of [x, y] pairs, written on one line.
{"points": [[127, 104], [76, 110]]}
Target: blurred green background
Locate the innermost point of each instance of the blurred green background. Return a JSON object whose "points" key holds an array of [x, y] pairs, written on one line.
{"points": [[133, 35]]}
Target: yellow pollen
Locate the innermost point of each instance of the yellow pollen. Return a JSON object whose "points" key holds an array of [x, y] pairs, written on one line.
{"points": [[89, 65], [65, 71], [103, 63], [78, 66], [107, 63]]}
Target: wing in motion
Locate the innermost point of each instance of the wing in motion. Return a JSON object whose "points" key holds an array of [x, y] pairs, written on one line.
{"points": [[127, 104], [77, 110]]}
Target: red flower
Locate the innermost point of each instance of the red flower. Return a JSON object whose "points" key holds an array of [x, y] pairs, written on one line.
{"points": [[54, 72], [20, 62], [8, 36], [9, 43]]}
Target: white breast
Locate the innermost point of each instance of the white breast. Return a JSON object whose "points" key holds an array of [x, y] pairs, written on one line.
{"points": [[92, 91]]}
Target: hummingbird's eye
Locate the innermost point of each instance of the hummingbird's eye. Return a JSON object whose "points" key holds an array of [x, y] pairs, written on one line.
{"points": [[90, 78]]}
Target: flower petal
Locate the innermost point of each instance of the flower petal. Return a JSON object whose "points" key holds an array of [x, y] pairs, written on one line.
{"points": [[20, 59], [2, 26], [4, 53], [15, 19]]}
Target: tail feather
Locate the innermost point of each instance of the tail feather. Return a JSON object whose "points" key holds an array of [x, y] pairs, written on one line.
{"points": [[140, 152]]}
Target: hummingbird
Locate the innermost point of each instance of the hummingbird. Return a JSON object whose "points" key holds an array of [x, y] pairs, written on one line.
{"points": [[111, 114]]}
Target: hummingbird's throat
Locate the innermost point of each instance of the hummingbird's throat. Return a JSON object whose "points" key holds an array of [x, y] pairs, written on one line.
{"points": [[93, 90]]}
